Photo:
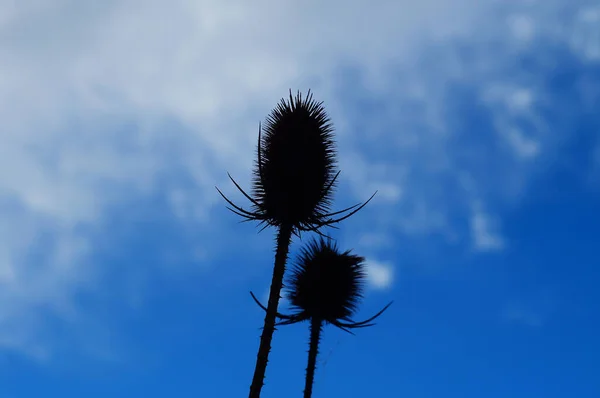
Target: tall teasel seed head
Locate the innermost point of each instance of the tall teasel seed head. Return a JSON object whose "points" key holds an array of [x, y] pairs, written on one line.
{"points": [[296, 161], [294, 174], [327, 285]]}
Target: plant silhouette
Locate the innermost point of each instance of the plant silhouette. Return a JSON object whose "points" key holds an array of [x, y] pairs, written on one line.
{"points": [[325, 287], [293, 182]]}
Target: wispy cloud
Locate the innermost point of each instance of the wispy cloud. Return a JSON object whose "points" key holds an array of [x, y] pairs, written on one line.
{"points": [[105, 103], [375, 241], [533, 310], [534, 307], [380, 274], [484, 231]]}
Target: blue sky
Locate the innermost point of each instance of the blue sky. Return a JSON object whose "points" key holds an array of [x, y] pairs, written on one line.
{"points": [[122, 274]]}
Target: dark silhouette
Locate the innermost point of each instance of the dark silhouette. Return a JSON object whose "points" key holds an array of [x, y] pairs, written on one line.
{"points": [[325, 287], [292, 190]]}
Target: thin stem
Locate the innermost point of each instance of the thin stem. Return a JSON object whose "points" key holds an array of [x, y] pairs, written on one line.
{"points": [[316, 326], [284, 239]]}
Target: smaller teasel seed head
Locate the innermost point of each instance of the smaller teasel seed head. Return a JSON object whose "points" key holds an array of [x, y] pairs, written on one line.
{"points": [[327, 285]]}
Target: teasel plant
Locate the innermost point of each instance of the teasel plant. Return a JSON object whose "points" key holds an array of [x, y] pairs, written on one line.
{"points": [[325, 287], [294, 177]]}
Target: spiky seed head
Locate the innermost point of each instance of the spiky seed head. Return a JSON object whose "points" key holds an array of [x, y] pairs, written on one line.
{"points": [[294, 177], [296, 161], [325, 283]]}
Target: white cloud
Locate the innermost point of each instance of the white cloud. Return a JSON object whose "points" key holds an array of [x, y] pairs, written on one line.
{"points": [[484, 231], [533, 310], [522, 27], [380, 274], [375, 240], [523, 146], [100, 99], [586, 37], [101, 102]]}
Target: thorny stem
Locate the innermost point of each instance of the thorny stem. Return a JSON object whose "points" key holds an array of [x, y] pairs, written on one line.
{"points": [[316, 326], [284, 238]]}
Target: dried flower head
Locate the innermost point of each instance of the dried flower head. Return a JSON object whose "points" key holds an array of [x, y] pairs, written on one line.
{"points": [[294, 174], [327, 285]]}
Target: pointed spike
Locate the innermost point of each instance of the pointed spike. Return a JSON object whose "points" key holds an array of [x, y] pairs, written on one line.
{"points": [[356, 326], [316, 230], [331, 183], [282, 316], [340, 326], [243, 192], [352, 213], [373, 317], [260, 171], [238, 208], [265, 227], [258, 302], [245, 216], [342, 211], [289, 321]]}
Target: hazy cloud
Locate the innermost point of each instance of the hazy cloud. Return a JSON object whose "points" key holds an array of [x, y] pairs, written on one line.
{"points": [[105, 103]]}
